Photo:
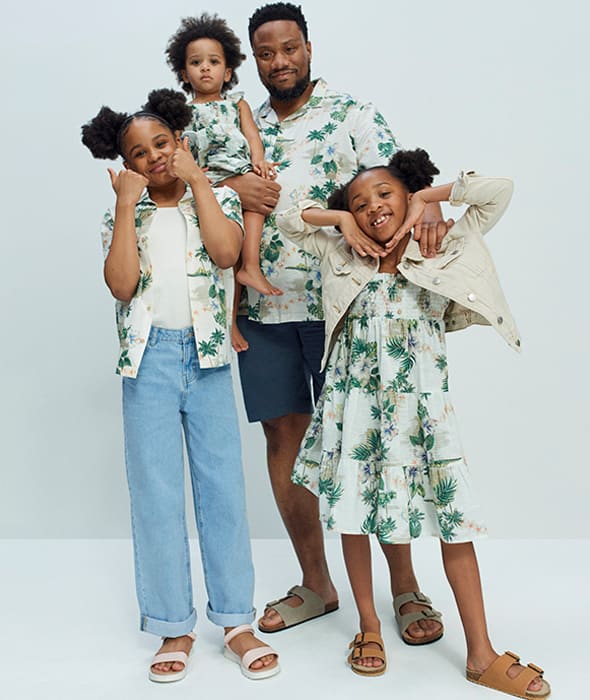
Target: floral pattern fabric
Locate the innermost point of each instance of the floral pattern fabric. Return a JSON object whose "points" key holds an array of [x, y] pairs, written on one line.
{"points": [[216, 140], [209, 300], [382, 451], [319, 148]]}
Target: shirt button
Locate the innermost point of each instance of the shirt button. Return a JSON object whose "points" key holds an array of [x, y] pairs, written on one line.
{"points": [[436, 280], [338, 268], [500, 320], [471, 297], [406, 265]]}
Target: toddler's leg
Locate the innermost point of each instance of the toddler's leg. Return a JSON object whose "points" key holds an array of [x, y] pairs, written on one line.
{"points": [[238, 342], [462, 573], [357, 557], [250, 274]]}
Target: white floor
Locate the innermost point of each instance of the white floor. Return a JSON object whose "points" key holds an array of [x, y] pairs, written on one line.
{"points": [[68, 626]]}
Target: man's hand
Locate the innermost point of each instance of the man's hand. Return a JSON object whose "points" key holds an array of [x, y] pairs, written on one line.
{"points": [[256, 193]]}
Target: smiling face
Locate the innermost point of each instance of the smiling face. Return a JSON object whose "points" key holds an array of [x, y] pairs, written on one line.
{"points": [[283, 59], [378, 201], [205, 69], [147, 145]]}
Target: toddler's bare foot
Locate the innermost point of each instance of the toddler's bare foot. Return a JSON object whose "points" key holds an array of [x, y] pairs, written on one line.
{"points": [[238, 342], [251, 276]]}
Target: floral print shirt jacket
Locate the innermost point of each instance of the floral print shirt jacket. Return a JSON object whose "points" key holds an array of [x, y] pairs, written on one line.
{"points": [[209, 301], [319, 148]]}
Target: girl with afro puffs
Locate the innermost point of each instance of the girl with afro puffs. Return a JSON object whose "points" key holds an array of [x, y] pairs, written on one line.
{"points": [[167, 243], [204, 54], [382, 452]]}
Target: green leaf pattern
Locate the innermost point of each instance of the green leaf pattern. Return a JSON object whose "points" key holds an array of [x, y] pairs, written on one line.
{"points": [[318, 148], [382, 451], [206, 287]]}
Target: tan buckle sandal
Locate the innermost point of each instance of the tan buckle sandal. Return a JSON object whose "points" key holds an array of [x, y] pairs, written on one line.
{"points": [[496, 677], [361, 651]]}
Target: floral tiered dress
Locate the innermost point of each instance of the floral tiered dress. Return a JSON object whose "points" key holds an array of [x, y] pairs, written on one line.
{"points": [[215, 138], [382, 452]]}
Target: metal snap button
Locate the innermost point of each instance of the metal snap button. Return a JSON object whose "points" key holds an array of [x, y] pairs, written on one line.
{"points": [[471, 296], [436, 280]]}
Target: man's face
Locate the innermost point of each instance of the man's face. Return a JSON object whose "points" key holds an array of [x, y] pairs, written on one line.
{"points": [[283, 59]]}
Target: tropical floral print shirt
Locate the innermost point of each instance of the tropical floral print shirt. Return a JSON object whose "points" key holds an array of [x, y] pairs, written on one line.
{"points": [[319, 148], [209, 302]]}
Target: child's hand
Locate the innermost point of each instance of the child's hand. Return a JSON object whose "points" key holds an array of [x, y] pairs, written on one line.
{"points": [[352, 234], [265, 169], [182, 164], [414, 214], [128, 185]]}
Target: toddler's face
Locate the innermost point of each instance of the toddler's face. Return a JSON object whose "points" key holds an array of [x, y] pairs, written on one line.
{"points": [[205, 68], [378, 202]]}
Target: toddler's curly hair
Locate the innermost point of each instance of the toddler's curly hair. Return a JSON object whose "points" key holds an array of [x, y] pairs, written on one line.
{"points": [[205, 26]]}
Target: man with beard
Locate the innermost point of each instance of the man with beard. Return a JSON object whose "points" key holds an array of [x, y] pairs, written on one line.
{"points": [[319, 138]]}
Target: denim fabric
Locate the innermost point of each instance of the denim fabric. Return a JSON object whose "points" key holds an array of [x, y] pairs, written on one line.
{"points": [[172, 395]]}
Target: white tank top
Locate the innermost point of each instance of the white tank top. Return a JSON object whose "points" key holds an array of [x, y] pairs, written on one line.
{"points": [[167, 251]]}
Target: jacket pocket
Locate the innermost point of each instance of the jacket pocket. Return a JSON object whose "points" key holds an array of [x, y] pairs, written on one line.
{"points": [[454, 251]]}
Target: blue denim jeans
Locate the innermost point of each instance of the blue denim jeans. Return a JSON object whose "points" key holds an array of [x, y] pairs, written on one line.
{"points": [[170, 396]]}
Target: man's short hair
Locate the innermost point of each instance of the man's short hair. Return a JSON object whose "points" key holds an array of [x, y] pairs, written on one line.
{"points": [[274, 12]]}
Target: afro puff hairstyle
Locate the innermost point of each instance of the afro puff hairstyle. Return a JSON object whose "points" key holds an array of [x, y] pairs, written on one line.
{"points": [[204, 27], [274, 12], [413, 169], [103, 135]]}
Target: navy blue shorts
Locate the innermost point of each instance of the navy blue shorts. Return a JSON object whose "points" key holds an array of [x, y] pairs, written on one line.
{"points": [[280, 371]]}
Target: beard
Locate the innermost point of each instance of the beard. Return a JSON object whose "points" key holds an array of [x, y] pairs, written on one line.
{"points": [[292, 93]]}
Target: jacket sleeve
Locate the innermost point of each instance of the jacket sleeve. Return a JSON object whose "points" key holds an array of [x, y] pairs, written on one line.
{"points": [[487, 198], [312, 239]]}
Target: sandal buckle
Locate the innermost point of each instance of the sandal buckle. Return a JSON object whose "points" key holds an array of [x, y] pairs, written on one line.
{"points": [[536, 668], [516, 657]]}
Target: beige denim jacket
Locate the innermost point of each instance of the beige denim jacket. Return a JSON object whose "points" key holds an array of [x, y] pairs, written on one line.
{"points": [[463, 270]]}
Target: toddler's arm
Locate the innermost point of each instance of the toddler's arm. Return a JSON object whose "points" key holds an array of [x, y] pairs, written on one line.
{"points": [[248, 127]]}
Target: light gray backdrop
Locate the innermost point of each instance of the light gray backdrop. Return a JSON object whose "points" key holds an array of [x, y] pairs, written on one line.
{"points": [[500, 87]]}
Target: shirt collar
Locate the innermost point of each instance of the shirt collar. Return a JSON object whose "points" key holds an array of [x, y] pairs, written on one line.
{"points": [[320, 88]]}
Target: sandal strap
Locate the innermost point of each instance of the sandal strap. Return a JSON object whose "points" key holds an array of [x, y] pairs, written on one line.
{"points": [[362, 638], [170, 656], [411, 597], [496, 674], [240, 629], [366, 653], [312, 606], [254, 654]]}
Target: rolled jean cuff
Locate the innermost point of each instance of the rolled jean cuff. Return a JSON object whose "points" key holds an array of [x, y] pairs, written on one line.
{"points": [[163, 628], [230, 619]]}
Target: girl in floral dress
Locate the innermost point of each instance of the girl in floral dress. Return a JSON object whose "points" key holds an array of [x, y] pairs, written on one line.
{"points": [[166, 244], [382, 452], [204, 53]]}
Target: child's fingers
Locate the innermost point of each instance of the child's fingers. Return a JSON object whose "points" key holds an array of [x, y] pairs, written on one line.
{"points": [[113, 175]]}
